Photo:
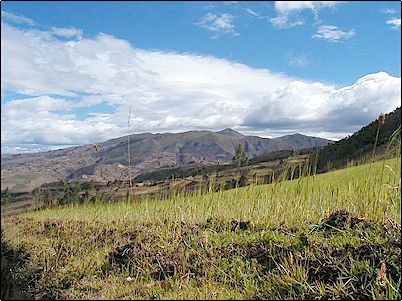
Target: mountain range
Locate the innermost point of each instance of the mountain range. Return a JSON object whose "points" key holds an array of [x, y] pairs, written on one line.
{"points": [[108, 161]]}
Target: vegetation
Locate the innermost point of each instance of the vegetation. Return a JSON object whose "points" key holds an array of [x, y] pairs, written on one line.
{"points": [[240, 158], [328, 236], [181, 172], [359, 147], [6, 196]]}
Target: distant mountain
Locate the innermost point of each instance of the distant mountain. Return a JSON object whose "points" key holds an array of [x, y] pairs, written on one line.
{"points": [[108, 162]]}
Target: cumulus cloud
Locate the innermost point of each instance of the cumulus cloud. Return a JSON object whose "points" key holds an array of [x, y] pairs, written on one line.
{"points": [[218, 23], [326, 109], [395, 23], [36, 63], [45, 120], [65, 79], [333, 34], [42, 127]]}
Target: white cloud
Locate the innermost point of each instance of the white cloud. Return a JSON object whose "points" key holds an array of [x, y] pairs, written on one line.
{"points": [[36, 105], [388, 11], [285, 7], [287, 11], [282, 21], [218, 23], [298, 61], [332, 33], [395, 23], [16, 19], [168, 91], [29, 121], [68, 32], [36, 63], [326, 109], [251, 12]]}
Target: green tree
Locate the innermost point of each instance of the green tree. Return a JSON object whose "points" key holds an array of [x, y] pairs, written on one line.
{"points": [[37, 194], [244, 175], [48, 198], [71, 193], [6, 196], [240, 158]]}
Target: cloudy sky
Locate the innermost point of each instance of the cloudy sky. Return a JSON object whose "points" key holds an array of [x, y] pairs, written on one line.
{"points": [[71, 70]]}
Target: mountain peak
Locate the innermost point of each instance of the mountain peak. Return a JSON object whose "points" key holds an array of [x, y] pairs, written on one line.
{"points": [[229, 131], [297, 135]]}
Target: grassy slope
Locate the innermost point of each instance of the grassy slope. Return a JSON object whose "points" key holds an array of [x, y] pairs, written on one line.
{"points": [[267, 241]]}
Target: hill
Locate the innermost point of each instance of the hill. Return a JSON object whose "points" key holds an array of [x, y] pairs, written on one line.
{"points": [[329, 236], [359, 147], [149, 152]]}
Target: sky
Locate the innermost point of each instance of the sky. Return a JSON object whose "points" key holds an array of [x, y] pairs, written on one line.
{"points": [[70, 71]]}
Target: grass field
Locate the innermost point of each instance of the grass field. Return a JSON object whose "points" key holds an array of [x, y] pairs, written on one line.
{"points": [[329, 236]]}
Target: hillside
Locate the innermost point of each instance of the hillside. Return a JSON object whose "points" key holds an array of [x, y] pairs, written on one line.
{"points": [[326, 236], [359, 146], [149, 152]]}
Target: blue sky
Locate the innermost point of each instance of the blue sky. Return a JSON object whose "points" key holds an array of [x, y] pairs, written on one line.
{"points": [[72, 69]]}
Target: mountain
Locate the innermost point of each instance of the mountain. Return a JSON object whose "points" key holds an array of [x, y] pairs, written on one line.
{"points": [[108, 160]]}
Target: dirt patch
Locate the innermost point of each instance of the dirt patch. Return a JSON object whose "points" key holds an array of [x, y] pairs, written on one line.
{"points": [[167, 264], [160, 263], [86, 233], [218, 225], [11, 260], [241, 225], [342, 219]]}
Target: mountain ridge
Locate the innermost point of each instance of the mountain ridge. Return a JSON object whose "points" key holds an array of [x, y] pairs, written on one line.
{"points": [[108, 160]]}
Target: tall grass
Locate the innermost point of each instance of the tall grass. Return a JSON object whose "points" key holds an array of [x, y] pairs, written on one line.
{"points": [[296, 201], [255, 242], [130, 191], [381, 121]]}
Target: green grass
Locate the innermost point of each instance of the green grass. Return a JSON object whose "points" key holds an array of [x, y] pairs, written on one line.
{"points": [[283, 241]]}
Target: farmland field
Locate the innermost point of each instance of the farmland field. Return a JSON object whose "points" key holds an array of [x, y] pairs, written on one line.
{"points": [[334, 235]]}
